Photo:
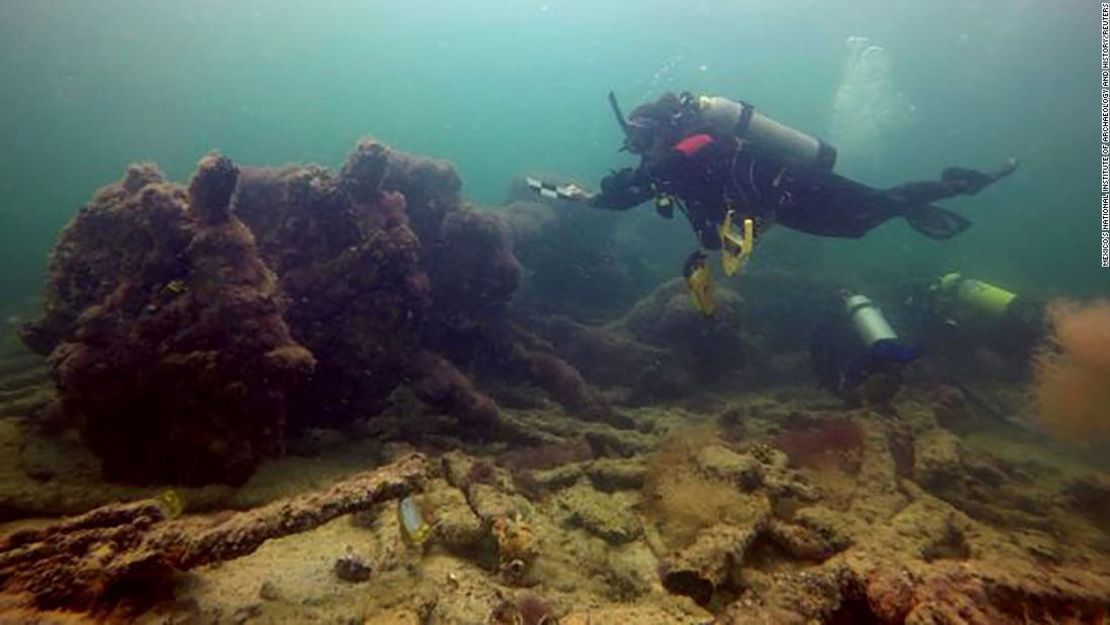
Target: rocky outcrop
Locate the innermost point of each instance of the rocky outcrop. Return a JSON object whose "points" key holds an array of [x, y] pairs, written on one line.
{"points": [[708, 348], [190, 330], [166, 333]]}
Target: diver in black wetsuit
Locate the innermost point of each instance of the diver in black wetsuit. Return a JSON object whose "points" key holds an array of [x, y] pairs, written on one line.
{"points": [[721, 162], [711, 154]]}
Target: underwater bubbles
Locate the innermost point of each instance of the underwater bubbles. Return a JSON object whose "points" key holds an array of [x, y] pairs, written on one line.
{"points": [[867, 107]]}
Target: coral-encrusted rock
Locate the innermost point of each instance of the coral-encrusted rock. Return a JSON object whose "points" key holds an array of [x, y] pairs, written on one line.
{"points": [[722, 463], [348, 263], [89, 260], [574, 263], [392, 278], [997, 593], [606, 516], [700, 569], [217, 318], [633, 571], [613, 474], [472, 268], [635, 615], [828, 525], [1090, 495], [977, 483], [708, 348], [211, 188], [608, 358], [166, 333], [806, 540], [456, 524]]}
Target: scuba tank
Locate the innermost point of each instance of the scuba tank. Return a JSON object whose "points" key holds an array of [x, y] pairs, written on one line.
{"points": [[985, 299], [876, 333], [766, 135], [1013, 325], [870, 324]]}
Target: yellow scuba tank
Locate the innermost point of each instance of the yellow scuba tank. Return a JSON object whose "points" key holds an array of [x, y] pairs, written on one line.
{"points": [[735, 250], [765, 135], [978, 296]]}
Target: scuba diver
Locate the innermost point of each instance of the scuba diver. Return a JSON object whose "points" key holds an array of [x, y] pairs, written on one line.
{"points": [[721, 163], [964, 313], [857, 355]]}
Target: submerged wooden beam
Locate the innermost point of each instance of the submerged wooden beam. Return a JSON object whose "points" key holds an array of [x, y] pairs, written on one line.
{"points": [[122, 552]]}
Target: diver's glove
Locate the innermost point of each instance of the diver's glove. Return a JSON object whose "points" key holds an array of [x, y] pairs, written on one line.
{"points": [[623, 189]]}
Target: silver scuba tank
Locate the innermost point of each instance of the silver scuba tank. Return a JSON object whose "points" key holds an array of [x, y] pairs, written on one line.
{"points": [[868, 320], [765, 134]]}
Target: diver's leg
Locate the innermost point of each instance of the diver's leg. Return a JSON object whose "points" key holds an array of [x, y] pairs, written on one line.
{"points": [[833, 206], [954, 181], [934, 222]]}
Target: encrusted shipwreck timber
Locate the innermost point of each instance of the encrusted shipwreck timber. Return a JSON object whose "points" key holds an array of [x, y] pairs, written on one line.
{"points": [[127, 552], [637, 472]]}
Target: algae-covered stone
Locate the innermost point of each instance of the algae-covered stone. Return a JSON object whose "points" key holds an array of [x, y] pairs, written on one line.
{"points": [[606, 516], [468, 602], [936, 458], [456, 524], [491, 503], [632, 572], [613, 474], [608, 441], [559, 477], [637, 615], [1090, 495], [457, 468], [723, 463], [1039, 545], [830, 525], [816, 534]]}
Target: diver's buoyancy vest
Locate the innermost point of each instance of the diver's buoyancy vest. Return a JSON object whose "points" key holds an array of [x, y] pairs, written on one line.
{"points": [[766, 135]]}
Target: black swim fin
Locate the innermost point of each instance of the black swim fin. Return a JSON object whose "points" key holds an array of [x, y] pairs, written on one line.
{"points": [[935, 222], [973, 181]]}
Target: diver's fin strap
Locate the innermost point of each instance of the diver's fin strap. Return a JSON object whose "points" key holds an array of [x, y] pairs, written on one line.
{"points": [[554, 191]]}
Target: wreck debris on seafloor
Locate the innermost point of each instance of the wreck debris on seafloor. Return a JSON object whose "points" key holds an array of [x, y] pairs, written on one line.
{"points": [[130, 551], [872, 545], [261, 302]]}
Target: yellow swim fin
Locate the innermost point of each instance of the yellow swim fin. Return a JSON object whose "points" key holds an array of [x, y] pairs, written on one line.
{"points": [[736, 249], [699, 279]]}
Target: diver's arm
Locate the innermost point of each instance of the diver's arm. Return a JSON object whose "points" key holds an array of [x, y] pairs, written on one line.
{"points": [[623, 189]]}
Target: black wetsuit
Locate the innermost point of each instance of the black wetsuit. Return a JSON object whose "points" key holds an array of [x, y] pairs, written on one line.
{"points": [[711, 174]]}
